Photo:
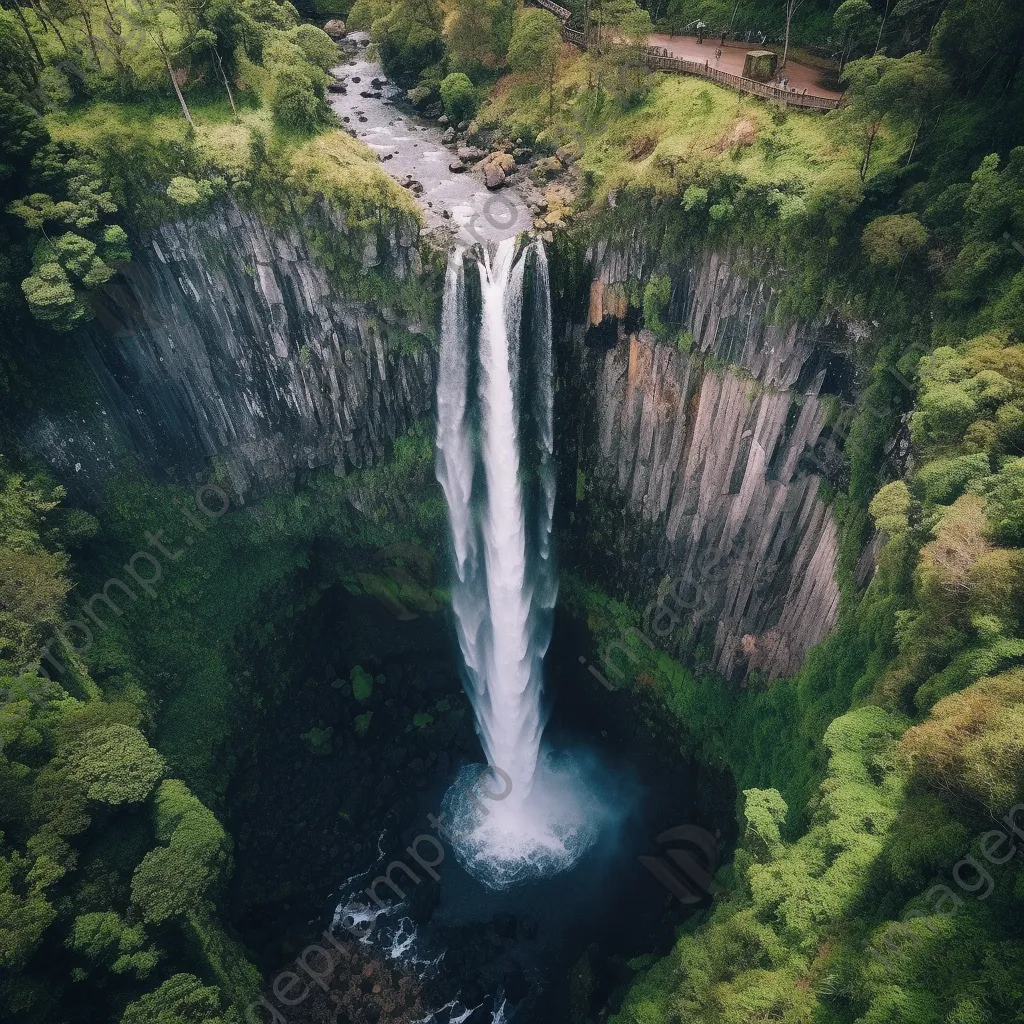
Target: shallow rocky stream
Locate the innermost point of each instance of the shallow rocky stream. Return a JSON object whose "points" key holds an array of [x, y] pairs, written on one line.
{"points": [[411, 150]]}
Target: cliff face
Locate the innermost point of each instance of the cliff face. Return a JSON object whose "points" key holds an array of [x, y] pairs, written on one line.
{"points": [[227, 339], [703, 451]]}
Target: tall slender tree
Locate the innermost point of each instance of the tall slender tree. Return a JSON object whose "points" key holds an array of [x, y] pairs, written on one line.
{"points": [[792, 6]]}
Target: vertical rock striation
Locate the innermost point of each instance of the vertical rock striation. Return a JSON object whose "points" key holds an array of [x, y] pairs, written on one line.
{"points": [[705, 446], [227, 339]]}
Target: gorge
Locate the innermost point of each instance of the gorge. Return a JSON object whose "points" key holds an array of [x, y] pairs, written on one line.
{"points": [[616, 611]]}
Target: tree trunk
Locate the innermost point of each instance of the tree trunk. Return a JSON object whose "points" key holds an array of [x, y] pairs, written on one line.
{"points": [[789, 21], [881, 28], [845, 52], [28, 32], [735, 11], [917, 136], [48, 19], [89, 33], [867, 154], [177, 91], [224, 79]]}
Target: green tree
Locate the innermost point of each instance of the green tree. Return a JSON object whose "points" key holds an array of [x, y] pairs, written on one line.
{"points": [[19, 59], [175, 880], [536, 43], [478, 33], [105, 939], [890, 508], [901, 90], [409, 38], [854, 19], [297, 97], [113, 764], [892, 240], [458, 96], [182, 999], [149, 16]]}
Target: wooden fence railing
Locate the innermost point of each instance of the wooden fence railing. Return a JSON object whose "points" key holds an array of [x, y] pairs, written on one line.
{"points": [[658, 60], [556, 9]]}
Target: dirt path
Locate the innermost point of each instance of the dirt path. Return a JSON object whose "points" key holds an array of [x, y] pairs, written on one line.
{"points": [[800, 76]]}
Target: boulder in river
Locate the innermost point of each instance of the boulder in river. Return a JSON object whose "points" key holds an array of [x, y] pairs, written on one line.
{"points": [[549, 167], [470, 154], [457, 167], [496, 168], [335, 28], [494, 176], [449, 136]]}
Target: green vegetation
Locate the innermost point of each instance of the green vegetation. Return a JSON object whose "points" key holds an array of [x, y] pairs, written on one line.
{"points": [[868, 886], [107, 851], [458, 96], [76, 767], [154, 111]]}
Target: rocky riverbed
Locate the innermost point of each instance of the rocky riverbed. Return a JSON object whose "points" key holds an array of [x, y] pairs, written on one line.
{"points": [[466, 184]]}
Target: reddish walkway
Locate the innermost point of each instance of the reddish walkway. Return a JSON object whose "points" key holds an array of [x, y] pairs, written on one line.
{"points": [[687, 48]]}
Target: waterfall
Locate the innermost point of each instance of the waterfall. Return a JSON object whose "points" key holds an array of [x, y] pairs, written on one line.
{"points": [[504, 585]]}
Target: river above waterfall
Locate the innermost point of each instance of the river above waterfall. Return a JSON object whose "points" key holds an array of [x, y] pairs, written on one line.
{"points": [[410, 148]]}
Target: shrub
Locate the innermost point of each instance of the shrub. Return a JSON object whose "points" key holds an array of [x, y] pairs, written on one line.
{"points": [[318, 47], [297, 98], [459, 97]]}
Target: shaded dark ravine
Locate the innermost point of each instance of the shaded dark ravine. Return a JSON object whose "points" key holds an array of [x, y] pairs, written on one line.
{"points": [[540, 947]]}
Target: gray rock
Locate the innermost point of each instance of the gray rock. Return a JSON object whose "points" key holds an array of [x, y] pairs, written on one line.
{"points": [[457, 167], [449, 137], [715, 462], [242, 349], [494, 176]]}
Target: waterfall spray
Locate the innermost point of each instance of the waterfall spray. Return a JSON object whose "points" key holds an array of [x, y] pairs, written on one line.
{"points": [[504, 590]]}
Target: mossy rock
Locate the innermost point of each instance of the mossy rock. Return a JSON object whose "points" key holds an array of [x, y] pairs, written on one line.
{"points": [[760, 65], [362, 683], [318, 741]]}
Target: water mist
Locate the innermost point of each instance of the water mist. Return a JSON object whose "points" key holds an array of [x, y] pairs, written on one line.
{"points": [[542, 817]]}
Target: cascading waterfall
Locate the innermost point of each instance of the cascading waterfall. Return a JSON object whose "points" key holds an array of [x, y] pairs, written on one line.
{"points": [[504, 589]]}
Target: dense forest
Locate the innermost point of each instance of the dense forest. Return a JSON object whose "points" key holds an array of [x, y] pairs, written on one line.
{"points": [[881, 785]]}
